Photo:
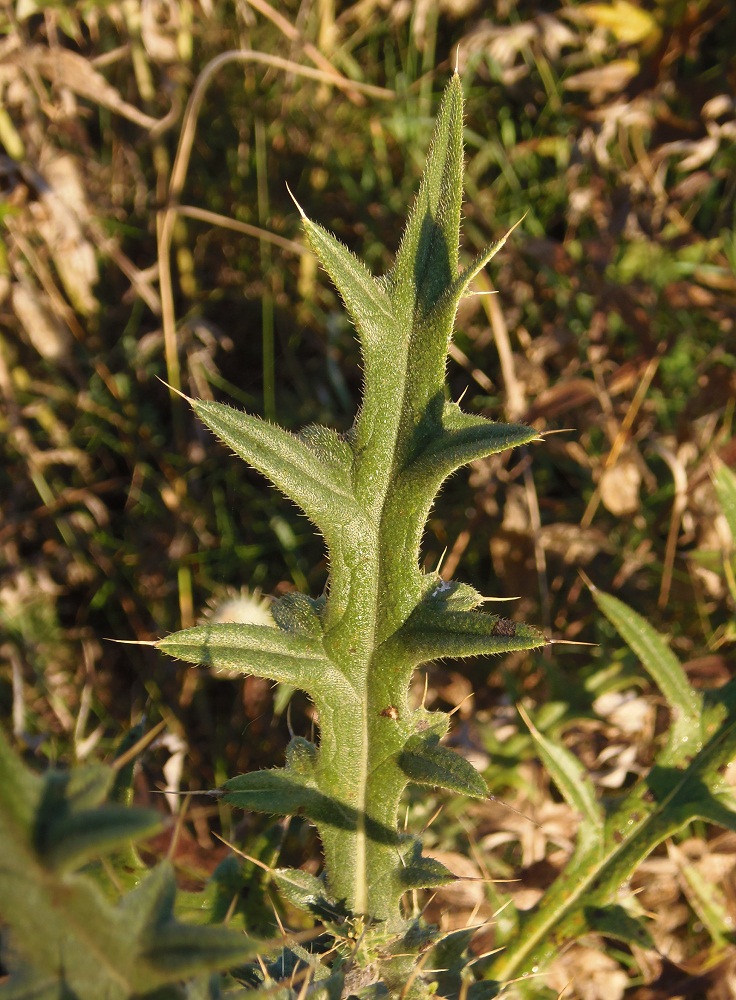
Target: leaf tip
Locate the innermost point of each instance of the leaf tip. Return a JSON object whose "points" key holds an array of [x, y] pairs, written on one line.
{"points": [[178, 392], [588, 582], [299, 207], [570, 642], [134, 642], [516, 225], [527, 720]]}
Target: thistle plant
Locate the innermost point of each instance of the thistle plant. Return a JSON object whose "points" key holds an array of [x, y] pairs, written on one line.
{"points": [[354, 649]]}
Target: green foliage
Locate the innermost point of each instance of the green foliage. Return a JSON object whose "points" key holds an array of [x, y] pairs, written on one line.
{"points": [[67, 939], [628, 261], [369, 493], [354, 650], [684, 784], [725, 484]]}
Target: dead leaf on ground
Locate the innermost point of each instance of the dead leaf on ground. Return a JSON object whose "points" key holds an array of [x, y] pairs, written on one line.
{"points": [[619, 487], [561, 398], [604, 80], [42, 328], [586, 973], [68, 69], [576, 545], [628, 22]]}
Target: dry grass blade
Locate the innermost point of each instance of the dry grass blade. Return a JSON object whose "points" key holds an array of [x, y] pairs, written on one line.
{"points": [[167, 217], [355, 93], [68, 69]]}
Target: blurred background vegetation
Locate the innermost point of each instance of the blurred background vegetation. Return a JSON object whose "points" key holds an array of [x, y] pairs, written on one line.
{"points": [[145, 239]]}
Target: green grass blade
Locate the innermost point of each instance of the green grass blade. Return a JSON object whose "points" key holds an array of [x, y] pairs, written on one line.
{"points": [[725, 484], [575, 786], [656, 808], [662, 666]]}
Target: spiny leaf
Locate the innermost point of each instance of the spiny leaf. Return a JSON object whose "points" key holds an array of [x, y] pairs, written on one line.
{"points": [[46, 815], [285, 792], [21, 791], [290, 657], [427, 258], [65, 938], [299, 887], [298, 614], [460, 286], [318, 486], [425, 873], [301, 757], [278, 791], [449, 595], [426, 762], [458, 438], [331, 448], [73, 840], [307, 893], [364, 297], [85, 787], [430, 636], [178, 951]]}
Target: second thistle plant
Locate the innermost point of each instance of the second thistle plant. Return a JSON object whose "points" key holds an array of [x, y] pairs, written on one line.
{"points": [[369, 492]]}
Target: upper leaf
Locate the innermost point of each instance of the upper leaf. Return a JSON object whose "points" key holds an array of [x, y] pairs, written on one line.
{"points": [[426, 262], [364, 297], [452, 439], [420, 872], [315, 477]]}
